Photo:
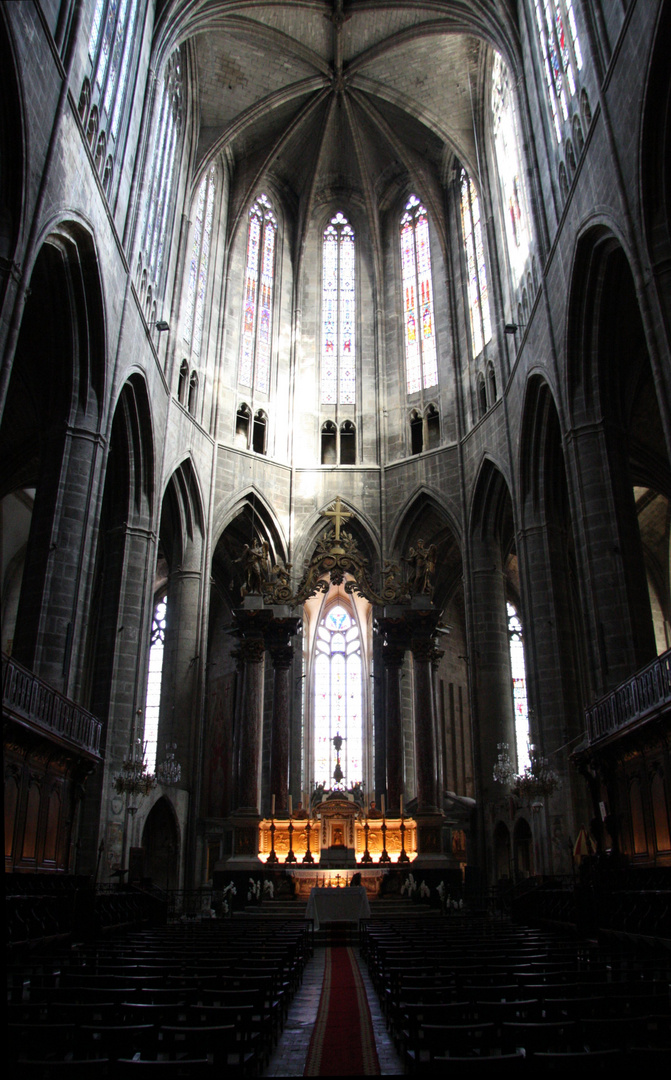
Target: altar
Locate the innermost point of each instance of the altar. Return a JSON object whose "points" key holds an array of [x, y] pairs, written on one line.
{"points": [[349, 904]]}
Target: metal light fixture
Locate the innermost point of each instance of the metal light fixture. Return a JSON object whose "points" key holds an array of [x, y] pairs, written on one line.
{"points": [[133, 778], [169, 772]]}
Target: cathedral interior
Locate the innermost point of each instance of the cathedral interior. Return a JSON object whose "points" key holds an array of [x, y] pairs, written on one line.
{"points": [[335, 486]]}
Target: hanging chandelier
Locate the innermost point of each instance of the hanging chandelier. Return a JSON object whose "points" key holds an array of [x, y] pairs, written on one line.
{"points": [[169, 772], [133, 778]]}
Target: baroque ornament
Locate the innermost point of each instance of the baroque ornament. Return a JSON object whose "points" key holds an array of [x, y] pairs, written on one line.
{"points": [[337, 560]]}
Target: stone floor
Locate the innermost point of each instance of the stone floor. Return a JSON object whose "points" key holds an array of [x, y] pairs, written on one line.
{"points": [[291, 1051]]}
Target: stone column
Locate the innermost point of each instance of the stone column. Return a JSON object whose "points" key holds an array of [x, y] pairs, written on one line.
{"points": [[425, 729], [252, 650], [438, 731], [58, 556], [422, 623], [281, 651], [393, 651]]}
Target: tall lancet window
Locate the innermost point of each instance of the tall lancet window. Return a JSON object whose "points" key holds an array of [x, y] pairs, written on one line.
{"points": [[520, 703], [562, 55], [257, 315], [110, 51], [200, 258], [421, 365], [161, 169], [338, 375], [510, 170], [154, 679], [478, 290], [338, 696]]}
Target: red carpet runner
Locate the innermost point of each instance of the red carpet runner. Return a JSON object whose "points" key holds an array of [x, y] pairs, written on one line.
{"points": [[342, 1042]]}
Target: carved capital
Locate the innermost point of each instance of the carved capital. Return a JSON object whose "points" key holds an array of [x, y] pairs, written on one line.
{"points": [[252, 650]]}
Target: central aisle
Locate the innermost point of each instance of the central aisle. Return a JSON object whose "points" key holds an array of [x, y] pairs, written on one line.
{"points": [[291, 1052]]}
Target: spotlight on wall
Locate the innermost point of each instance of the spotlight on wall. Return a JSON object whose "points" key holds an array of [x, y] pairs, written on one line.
{"points": [[162, 325], [511, 328]]}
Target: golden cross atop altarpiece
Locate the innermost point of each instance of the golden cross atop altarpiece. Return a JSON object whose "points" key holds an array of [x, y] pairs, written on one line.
{"points": [[339, 514]]}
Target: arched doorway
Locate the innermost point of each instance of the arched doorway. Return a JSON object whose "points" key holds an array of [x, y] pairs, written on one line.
{"points": [[160, 840], [523, 849]]}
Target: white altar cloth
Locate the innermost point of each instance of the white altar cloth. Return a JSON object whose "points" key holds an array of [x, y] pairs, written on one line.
{"points": [[348, 904]]}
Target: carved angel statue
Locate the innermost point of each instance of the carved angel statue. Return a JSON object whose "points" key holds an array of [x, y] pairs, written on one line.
{"points": [[422, 560], [256, 564]]}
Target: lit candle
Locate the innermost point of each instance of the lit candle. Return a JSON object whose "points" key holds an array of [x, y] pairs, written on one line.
{"points": [[291, 806], [382, 803], [272, 806]]}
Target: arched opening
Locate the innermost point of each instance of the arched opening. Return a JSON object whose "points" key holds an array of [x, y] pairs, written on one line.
{"points": [[416, 432], [329, 435], [432, 427], [337, 634], [160, 840], [502, 853], [259, 432], [242, 424], [523, 849], [347, 443]]}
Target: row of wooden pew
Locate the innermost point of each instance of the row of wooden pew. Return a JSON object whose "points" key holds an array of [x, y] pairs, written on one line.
{"points": [[493, 994], [181, 1000]]}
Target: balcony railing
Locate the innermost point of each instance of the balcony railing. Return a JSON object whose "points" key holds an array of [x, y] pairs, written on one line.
{"points": [[28, 698], [636, 699]]}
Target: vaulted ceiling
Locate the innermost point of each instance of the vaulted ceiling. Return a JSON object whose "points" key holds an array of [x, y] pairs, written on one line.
{"points": [[329, 95]]}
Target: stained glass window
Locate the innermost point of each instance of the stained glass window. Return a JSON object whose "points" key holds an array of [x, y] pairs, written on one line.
{"points": [[338, 697], [257, 315], [520, 703], [421, 365], [338, 374], [110, 50], [478, 290], [154, 678], [562, 55], [200, 257], [158, 206], [510, 171]]}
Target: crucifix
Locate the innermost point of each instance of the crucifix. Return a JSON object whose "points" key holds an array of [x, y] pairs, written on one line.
{"points": [[338, 514]]}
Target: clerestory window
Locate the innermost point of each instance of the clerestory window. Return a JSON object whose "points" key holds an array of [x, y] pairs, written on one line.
{"points": [[199, 264], [511, 176], [110, 51], [421, 363], [562, 56], [478, 289], [257, 315], [161, 170], [338, 369]]}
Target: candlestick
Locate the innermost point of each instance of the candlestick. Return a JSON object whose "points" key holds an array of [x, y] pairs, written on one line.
{"points": [[382, 803], [291, 806], [272, 806]]}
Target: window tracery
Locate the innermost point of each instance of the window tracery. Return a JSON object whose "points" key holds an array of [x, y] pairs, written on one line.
{"points": [[562, 56], [338, 373], [158, 206], [421, 362], [520, 701], [110, 51], [508, 160], [199, 263], [478, 289], [154, 680], [257, 316], [338, 695]]}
